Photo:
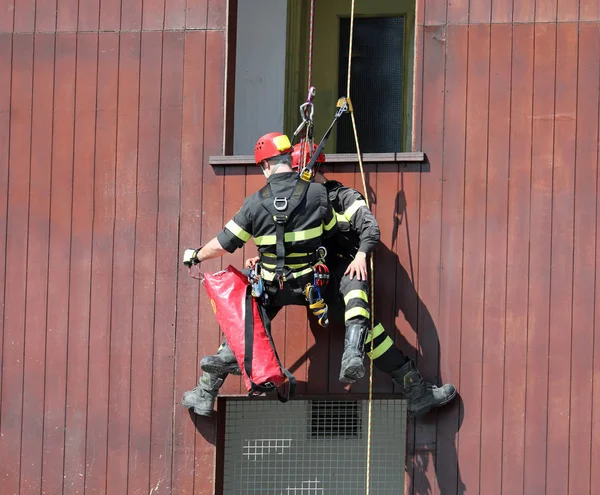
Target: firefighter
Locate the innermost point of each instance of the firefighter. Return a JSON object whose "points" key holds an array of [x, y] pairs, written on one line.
{"points": [[289, 237], [356, 238]]}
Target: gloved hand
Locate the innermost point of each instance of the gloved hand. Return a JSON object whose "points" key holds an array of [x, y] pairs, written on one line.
{"points": [[189, 257]]}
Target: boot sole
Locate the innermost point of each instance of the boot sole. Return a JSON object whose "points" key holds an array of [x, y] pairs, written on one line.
{"points": [[425, 410], [352, 374], [221, 369]]}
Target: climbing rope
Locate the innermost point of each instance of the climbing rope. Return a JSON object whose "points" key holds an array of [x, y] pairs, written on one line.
{"points": [[372, 274], [310, 41]]}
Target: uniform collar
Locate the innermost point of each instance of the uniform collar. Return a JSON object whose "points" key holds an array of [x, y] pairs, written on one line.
{"points": [[281, 177]]}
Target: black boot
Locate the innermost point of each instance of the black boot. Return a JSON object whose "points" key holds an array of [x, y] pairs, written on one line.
{"points": [[422, 396], [202, 398], [222, 363], [352, 367]]}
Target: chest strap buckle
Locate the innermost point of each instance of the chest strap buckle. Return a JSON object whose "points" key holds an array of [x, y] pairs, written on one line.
{"points": [[280, 204]]}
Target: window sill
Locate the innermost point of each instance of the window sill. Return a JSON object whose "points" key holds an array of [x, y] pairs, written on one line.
{"points": [[411, 157]]}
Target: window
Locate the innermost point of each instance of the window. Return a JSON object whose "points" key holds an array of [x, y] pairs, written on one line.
{"points": [[271, 62]]}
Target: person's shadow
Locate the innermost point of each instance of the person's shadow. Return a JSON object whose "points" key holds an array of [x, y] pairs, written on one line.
{"points": [[431, 439]]}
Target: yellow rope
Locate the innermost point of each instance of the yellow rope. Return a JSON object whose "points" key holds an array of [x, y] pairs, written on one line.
{"points": [[372, 275]]}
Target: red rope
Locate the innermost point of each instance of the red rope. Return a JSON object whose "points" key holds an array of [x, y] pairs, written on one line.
{"points": [[310, 41]]}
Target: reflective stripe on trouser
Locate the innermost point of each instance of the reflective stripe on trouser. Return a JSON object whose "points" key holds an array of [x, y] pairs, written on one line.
{"points": [[385, 355], [356, 300]]}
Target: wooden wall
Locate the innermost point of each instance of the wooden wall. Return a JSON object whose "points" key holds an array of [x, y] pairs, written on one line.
{"points": [[487, 268]]}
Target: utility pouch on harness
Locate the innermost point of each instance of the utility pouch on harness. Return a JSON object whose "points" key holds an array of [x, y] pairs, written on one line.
{"points": [[248, 332]]}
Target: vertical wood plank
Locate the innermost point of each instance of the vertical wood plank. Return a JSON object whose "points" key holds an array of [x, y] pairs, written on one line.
{"points": [[457, 11], [110, 15], [37, 265], [540, 259], [123, 262], [586, 178], [212, 224], [188, 333], [102, 256], [81, 261], [167, 266], [432, 138], [7, 10], [589, 10], [45, 16], [567, 11], [524, 11], [66, 15], [217, 14], [174, 14], [545, 10], [144, 303], [131, 15], [561, 295], [480, 12], [153, 15], [452, 260], [196, 14], [11, 403], [5, 126], [59, 260], [473, 274], [434, 12], [24, 16], [494, 320], [502, 11], [518, 260], [89, 15]]}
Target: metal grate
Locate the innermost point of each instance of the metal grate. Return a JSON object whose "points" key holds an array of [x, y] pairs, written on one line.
{"points": [[313, 447], [377, 84]]}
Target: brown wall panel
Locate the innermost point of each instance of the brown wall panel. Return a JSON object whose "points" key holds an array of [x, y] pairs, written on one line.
{"points": [[110, 15], [153, 16], [584, 259], [480, 12], [167, 266], [545, 10], [131, 15], [89, 15], [196, 14], [6, 16], [518, 259], [66, 15], [37, 264], [502, 11], [589, 10], [144, 298], [561, 296], [540, 258], [81, 261], [24, 16], [17, 217], [174, 14], [45, 16], [494, 318], [123, 262], [524, 11], [102, 257], [473, 273], [188, 331]]}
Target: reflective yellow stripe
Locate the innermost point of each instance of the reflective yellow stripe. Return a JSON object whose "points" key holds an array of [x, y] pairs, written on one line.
{"points": [[353, 208], [356, 294], [351, 313], [293, 267], [269, 276], [340, 217], [238, 231], [301, 235], [288, 255], [332, 223], [376, 332], [381, 348]]}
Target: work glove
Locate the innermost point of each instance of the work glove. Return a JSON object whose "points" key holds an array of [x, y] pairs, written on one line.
{"points": [[189, 257]]}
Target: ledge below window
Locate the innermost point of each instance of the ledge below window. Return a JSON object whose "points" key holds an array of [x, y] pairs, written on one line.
{"points": [[411, 157]]}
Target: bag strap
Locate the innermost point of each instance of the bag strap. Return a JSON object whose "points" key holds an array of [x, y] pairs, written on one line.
{"points": [[249, 346]]}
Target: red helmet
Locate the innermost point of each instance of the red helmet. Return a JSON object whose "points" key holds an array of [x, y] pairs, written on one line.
{"points": [[297, 155], [270, 145]]}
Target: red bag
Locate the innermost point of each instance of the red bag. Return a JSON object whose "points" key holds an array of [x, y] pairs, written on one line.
{"points": [[231, 299]]}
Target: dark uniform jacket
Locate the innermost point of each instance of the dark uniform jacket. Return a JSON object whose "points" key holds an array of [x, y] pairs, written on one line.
{"points": [[358, 229], [310, 223]]}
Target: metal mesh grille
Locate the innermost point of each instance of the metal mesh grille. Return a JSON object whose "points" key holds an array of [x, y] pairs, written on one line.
{"points": [[313, 447], [377, 84]]}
